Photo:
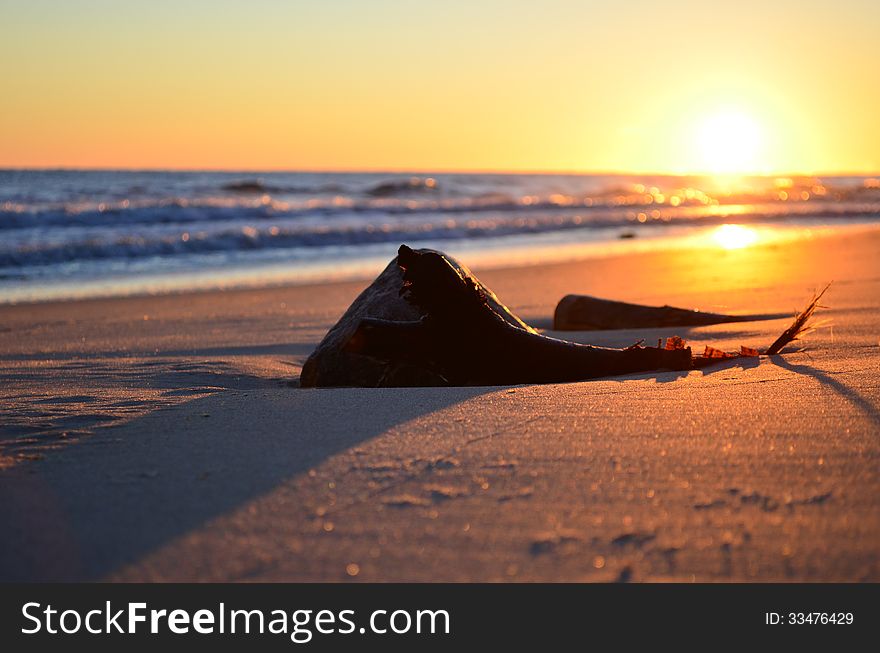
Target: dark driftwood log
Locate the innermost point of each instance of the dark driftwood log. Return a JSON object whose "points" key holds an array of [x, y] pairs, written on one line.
{"points": [[462, 338], [426, 320], [331, 365], [585, 313]]}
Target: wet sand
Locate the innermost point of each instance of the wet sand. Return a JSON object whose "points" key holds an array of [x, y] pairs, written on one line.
{"points": [[159, 438]]}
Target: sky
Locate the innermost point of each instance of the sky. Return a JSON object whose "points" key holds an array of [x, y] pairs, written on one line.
{"points": [[671, 86]]}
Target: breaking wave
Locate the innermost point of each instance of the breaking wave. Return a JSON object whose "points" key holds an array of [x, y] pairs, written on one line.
{"points": [[146, 219]]}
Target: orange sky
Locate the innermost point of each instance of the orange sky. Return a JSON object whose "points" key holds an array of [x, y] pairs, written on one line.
{"points": [[674, 86]]}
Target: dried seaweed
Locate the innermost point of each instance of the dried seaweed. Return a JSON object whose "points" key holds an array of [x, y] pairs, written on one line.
{"points": [[712, 352], [799, 327]]}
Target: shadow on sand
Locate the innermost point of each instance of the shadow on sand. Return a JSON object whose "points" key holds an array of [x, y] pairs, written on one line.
{"points": [[844, 391], [112, 498]]}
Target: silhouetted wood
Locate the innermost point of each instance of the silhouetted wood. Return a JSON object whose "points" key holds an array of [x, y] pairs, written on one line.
{"points": [[427, 321]]}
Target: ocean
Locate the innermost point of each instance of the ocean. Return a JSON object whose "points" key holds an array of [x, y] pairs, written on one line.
{"points": [[71, 234]]}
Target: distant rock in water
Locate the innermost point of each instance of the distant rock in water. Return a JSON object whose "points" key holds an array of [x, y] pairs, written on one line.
{"points": [[404, 187], [330, 365], [249, 186]]}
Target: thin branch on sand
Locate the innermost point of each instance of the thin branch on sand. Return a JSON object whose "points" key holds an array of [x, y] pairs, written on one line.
{"points": [[799, 327]]}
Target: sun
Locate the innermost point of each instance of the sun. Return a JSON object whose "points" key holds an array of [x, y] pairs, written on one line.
{"points": [[729, 142]]}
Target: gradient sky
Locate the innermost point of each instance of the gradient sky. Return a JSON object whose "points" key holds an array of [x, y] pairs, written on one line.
{"points": [[431, 85]]}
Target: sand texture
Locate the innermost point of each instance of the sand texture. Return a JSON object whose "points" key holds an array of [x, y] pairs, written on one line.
{"points": [[159, 439]]}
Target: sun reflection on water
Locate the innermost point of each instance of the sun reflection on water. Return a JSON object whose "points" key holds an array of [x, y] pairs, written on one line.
{"points": [[734, 236]]}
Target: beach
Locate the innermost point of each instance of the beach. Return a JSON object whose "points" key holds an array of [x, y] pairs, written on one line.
{"points": [[164, 438]]}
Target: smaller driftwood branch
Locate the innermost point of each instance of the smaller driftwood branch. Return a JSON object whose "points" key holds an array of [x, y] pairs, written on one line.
{"points": [[586, 313]]}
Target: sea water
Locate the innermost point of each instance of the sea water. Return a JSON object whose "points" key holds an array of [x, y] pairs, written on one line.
{"points": [[66, 233]]}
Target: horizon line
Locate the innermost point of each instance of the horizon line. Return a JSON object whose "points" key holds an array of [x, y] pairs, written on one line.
{"points": [[439, 171]]}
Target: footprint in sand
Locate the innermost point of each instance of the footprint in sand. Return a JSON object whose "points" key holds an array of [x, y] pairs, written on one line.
{"points": [[634, 538], [550, 542]]}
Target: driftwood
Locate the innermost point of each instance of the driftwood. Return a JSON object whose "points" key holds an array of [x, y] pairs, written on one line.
{"points": [[585, 313], [427, 321], [460, 335]]}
